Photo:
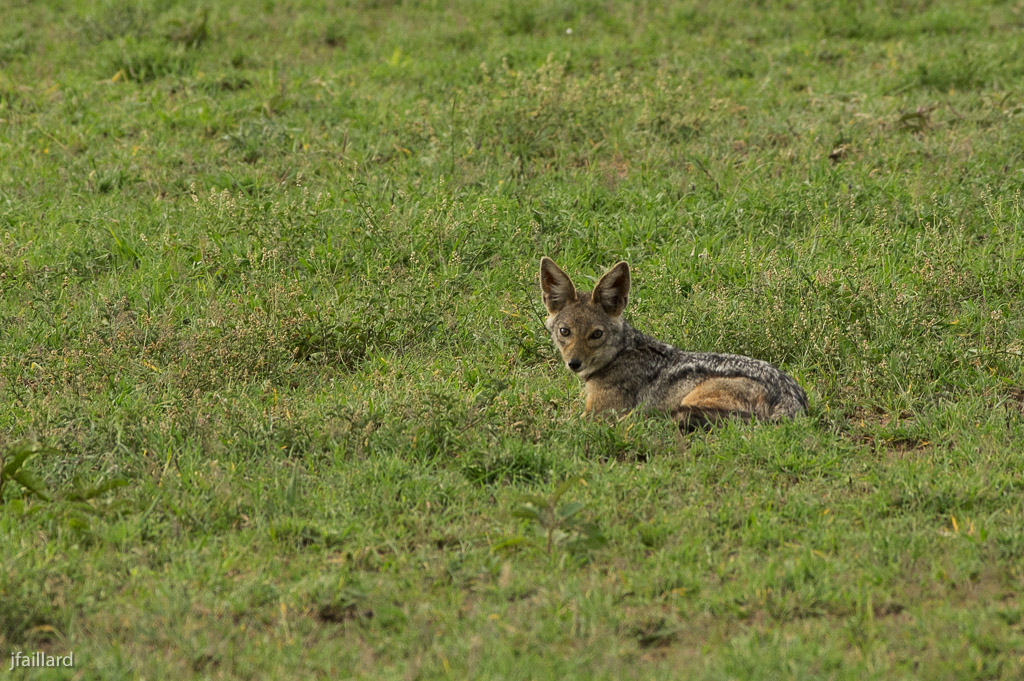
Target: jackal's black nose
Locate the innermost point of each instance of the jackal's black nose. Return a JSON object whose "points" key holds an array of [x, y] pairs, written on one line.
{"points": [[575, 364]]}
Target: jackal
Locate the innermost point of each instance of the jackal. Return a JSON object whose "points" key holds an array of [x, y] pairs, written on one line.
{"points": [[623, 369]]}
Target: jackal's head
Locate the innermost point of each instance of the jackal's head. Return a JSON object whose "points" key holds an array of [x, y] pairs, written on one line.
{"points": [[586, 327]]}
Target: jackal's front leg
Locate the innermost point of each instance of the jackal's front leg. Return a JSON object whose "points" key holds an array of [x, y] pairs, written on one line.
{"points": [[601, 399]]}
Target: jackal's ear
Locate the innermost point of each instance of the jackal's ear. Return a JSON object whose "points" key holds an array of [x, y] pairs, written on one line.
{"points": [[612, 292], [556, 286]]}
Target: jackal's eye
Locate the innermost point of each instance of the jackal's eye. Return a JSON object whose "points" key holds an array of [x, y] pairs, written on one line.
{"points": [[564, 331], [597, 334]]}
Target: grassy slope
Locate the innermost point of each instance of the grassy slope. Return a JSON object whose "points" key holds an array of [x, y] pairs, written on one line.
{"points": [[273, 265]]}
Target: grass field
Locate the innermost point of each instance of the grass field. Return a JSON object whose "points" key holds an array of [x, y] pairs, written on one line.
{"points": [[277, 401]]}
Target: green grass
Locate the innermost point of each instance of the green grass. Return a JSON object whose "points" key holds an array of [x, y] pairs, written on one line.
{"points": [[268, 306]]}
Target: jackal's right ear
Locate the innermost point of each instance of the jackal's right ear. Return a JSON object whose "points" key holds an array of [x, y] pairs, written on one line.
{"points": [[612, 291], [556, 286]]}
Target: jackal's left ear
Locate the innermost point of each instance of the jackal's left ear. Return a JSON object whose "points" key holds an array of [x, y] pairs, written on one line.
{"points": [[556, 286], [612, 292]]}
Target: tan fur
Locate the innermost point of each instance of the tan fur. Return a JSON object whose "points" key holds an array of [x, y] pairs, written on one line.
{"points": [[729, 394], [599, 400]]}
